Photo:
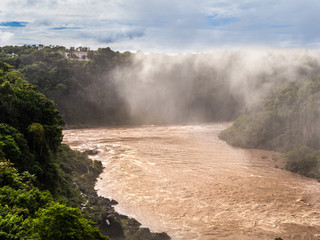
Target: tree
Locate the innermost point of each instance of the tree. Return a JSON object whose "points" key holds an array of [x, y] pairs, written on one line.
{"points": [[58, 221]]}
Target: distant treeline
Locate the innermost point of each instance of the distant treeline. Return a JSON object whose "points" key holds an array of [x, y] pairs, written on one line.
{"points": [[81, 87]]}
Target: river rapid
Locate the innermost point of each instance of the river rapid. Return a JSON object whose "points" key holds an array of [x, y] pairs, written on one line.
{"points": [[185, 181]]}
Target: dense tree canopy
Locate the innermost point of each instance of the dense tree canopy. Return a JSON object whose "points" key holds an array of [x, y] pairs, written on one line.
{"points": [[82, 89], [30, 137]]}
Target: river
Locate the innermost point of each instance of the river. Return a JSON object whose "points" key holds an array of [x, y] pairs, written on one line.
{"points": [[185, 181]]}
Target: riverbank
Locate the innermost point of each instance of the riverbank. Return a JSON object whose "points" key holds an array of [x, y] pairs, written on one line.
{"points": [[84, 173]]}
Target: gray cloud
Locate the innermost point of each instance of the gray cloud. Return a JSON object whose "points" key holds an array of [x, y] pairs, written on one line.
{"points": [[116, 36]]}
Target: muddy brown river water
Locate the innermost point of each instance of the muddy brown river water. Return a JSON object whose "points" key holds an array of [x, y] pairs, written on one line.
{"points": [[185, 181]]}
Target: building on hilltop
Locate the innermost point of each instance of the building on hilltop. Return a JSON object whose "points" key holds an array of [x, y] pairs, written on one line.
{"points": [[76, 55], [81, 55]]}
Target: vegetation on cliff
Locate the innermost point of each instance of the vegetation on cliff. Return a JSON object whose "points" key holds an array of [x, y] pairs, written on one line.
{"points": [[287, 121], [31, 181], [47, 189]]}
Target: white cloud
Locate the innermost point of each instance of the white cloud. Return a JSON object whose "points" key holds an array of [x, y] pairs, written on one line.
{"points": [[5, 37], [162, 25]]}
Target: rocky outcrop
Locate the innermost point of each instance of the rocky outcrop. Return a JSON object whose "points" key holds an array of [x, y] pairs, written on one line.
{"points": [[91, 152], [111, 223]]}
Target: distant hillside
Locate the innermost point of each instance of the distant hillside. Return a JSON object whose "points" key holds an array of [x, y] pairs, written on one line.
{"points": [[80, 86], [287, 121]]}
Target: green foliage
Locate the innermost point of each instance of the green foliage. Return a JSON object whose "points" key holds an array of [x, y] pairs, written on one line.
{"points": [[288, 121], [19, 200], [17, 189], [82, 89], [15, 226], [36, 138], [21, 107], [30, 128], [58, 221], [9, 176], [76, 176], [29, 200], [10, 148], [29, 213], [304, 160], [5, 67], [37, 131], [30, 137]]}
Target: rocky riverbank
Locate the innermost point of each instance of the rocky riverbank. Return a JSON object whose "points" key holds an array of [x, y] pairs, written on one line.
{"points": [[101, 210]]}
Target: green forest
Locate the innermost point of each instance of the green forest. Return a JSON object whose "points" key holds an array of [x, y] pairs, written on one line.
{"points": [[81, 88], [47, 189], [35, 191]]}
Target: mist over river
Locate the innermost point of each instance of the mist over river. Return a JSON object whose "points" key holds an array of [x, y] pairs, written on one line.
{"points": [[185, 181]]}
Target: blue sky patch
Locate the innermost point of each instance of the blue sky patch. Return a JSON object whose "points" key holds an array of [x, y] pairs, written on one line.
{"points": [[65, 28], [13, 24]]}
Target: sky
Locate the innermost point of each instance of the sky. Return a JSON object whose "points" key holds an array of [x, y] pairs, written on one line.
{"points": [[162, 25]]}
